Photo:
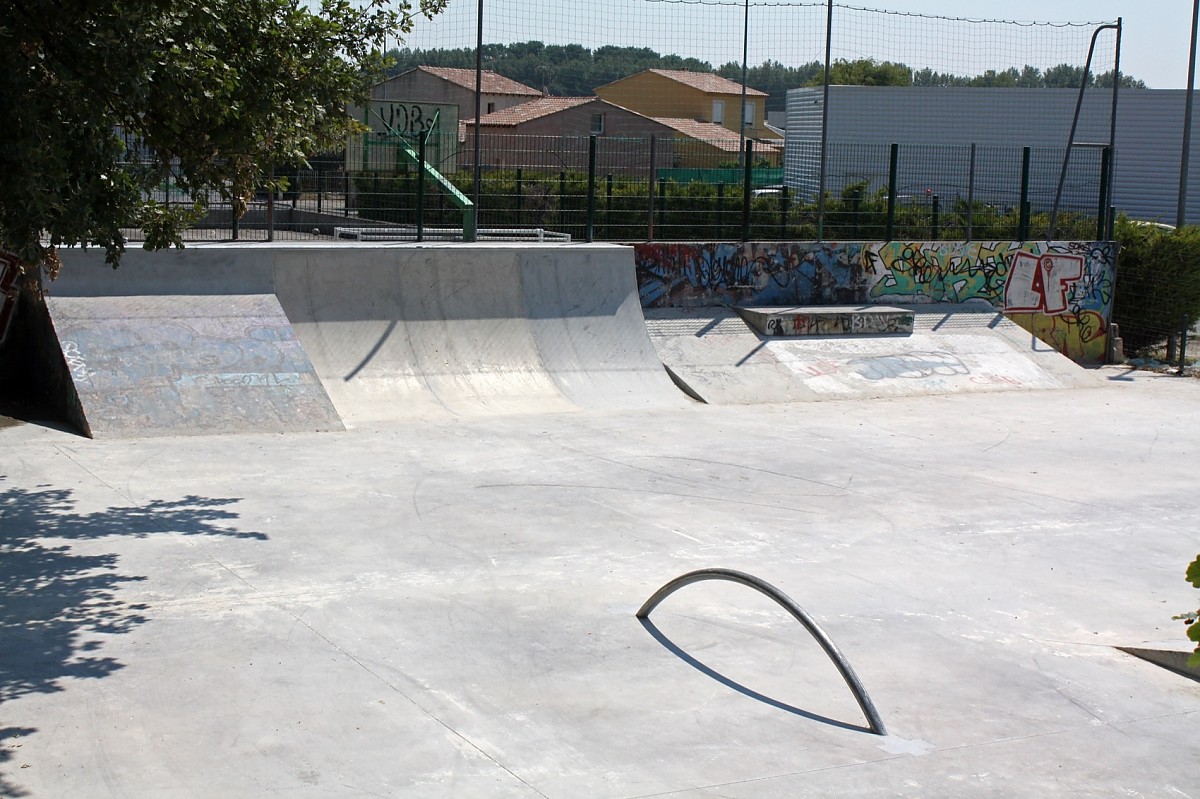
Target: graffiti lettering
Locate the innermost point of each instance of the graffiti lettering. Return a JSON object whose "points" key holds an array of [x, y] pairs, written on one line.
{"points": [[1042, 283], [913, 366], [1034, 283], [75, 362]]}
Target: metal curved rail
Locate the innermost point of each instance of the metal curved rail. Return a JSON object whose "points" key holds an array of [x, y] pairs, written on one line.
{"points": [[763, 587]]}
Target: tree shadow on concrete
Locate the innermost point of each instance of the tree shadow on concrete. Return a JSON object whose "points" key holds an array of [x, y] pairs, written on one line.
{"points": [[53, 599]]}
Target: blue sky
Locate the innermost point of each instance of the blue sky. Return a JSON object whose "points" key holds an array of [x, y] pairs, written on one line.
{"points": [[1155, 40]]}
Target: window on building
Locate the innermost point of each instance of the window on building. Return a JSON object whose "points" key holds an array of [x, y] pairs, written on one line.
{"points": [[718, 114], [597, 124], [491, 108], [748, 115]]}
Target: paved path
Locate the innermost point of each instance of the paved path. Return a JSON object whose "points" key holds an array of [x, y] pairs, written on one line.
{"points": [[446, 609]]}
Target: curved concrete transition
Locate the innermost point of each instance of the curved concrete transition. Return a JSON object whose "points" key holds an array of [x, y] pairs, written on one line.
{"points": [[280, 337], [719, 358], [418, 331]]}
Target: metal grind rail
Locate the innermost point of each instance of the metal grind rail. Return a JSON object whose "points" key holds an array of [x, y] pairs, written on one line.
{"points": [[782, 599], [408, 233]]}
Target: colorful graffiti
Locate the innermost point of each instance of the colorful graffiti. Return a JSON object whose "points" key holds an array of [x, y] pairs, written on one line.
{"points": [[1060, 291], [696, 275]]}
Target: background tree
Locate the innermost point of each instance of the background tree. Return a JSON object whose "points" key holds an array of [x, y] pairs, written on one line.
{"points": [[214, 92]]}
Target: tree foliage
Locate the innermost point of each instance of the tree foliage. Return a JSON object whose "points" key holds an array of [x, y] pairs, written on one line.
{"points": [[216, 92], [1158, 285]]}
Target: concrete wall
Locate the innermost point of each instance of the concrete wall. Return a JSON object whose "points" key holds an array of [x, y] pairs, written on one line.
{"points": [[1060, 291]]}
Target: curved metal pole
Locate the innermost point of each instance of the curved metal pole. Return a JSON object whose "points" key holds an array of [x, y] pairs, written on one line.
{"points": [[783, 600], [1083, 84]]}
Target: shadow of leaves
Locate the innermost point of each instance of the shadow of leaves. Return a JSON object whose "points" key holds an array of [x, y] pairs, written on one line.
{"points": [[53, 599]]}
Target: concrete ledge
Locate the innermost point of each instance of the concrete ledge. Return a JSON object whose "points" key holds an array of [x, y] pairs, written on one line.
{"points": [[829, 320]]}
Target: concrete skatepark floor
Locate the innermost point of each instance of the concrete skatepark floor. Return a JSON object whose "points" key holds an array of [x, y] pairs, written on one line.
{"points": [[447, 609]]}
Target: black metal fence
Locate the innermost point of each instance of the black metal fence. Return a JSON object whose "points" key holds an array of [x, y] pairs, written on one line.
{"points": [[639, 189]]}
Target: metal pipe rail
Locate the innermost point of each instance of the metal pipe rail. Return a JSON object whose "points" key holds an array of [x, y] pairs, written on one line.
{"points": [[448, 234], [782, 599]]}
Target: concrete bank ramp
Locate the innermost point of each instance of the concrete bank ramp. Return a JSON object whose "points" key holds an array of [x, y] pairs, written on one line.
{"points": [[717, 357], [415, 331], [188, 364], [279, 337]]}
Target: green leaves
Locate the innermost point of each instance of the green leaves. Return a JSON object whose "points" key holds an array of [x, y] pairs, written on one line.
{"points": [[214, 93], [1190, 619]]}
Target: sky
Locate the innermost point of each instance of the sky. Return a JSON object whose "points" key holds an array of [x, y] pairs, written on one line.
{"points": [[1155, 41]]}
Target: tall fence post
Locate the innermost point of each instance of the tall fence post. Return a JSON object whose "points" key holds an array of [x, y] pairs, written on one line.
{"points": [[608, 211], [720, 210], [783, 212], [1102, 209], [970, 232], [271, 204], [747, 188], [1183, 337], [591, 190], [1023, 220], [421, 188], [935, 228], [653, 175], [662, 205], [520, 196], [562, 198], [893, 170]]}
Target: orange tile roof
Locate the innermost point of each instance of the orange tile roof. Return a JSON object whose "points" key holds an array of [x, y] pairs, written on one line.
{"points": [[711, 133], [534, 109], [706, 82], [492, 82]]}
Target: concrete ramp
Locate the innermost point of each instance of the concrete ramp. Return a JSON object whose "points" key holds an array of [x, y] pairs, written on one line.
{"points": [[416, 331], [717, 357], [186, 364], [262, 337]]}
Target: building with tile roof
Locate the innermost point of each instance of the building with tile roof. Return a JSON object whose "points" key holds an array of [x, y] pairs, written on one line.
{"points": [[699, 96], [451, 86]]}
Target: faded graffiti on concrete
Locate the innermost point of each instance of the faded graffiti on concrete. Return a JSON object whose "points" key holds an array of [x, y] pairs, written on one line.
{"points": [[697, 275], [1060, 291]]}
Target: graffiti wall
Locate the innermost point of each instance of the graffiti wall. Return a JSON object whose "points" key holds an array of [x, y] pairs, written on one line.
{"points": [[1060, 291]]}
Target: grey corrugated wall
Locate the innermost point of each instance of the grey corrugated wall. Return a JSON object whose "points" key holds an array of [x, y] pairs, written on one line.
{"points": [[864, 120]]}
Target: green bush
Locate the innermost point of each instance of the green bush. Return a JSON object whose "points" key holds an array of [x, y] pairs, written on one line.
{"points": [[1158, 282]]}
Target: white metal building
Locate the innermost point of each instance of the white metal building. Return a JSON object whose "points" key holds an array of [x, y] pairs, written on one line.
{"points": [[935, 127]]}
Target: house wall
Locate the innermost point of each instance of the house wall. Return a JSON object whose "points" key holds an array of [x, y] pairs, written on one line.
{"points": [[1061, 292], [423, 87], [655, 95], [1148, 140]]}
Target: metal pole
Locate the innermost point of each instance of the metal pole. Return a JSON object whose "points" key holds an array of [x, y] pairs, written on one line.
{"points": [[471, 234], [745, 54], [421, 189], [1186, 159], [1102, 210], [1023, 219], [1083, 84], [653, 174], [935, 227], [971, 194], [1112, 125], [824, 123], [591, 190], [271, 205], [747, 189], [893, 166]]}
